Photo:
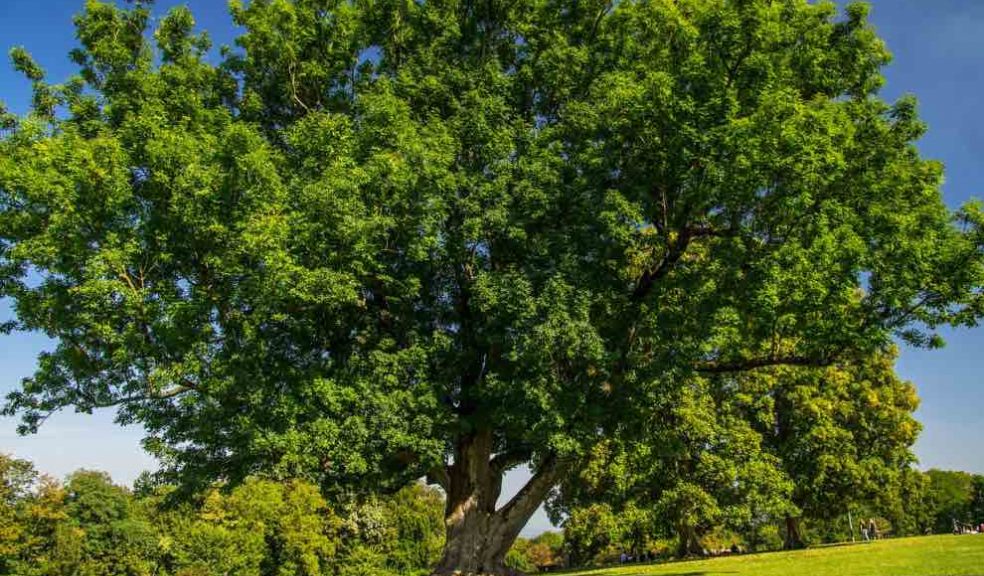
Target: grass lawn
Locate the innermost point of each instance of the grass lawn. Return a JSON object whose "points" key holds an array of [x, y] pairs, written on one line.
{"points": [[925, 556]]}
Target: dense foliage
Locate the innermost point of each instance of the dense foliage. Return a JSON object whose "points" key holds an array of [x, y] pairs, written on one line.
{"points": [[743, 452], [89, 526], [599, 534], [381, 239]]}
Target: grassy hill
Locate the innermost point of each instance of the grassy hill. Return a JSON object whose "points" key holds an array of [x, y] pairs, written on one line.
{"points": [[925, 556]]}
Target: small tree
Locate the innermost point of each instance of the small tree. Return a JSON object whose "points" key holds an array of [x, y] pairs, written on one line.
{"points": [[387, 239]]}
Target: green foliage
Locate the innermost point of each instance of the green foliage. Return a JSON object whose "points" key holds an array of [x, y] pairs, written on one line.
{"points": [[415, 528], [90, 527], [954, 497], [375, 232], [16, 478], [728, 458], [400, 535], [591, 535], [545, 551], [843, 435], [699, 467], [115, 537]]}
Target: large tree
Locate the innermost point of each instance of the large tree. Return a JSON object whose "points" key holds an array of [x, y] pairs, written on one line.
{"points": [[843, 433], [696, 465], [381, 239]]}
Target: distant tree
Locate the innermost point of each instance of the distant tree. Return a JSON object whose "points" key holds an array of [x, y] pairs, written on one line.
{"points": [[546, 550], [543, 551], [16, 479], [698, 465], [589, 534], [116, 537], [517, 558], [977, 501], [843, 434], [50, 545], [387, 239], [907, 505], [951, 497]]}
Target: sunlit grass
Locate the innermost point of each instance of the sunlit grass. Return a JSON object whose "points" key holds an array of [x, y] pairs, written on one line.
{"points": [[925, 556]]}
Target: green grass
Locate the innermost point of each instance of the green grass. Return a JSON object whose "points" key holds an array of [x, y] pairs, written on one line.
{"points": [[925, 556]]}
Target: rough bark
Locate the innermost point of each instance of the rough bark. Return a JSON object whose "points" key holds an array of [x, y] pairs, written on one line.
{"points": [[689, 543], [478, 534], [793, 538]]}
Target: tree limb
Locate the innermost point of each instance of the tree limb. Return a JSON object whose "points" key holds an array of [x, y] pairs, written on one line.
{"points": [[716, 367], [504, 461], [530, 496]]}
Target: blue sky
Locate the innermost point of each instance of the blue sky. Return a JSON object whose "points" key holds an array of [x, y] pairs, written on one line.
{"points": [[939, 56]]}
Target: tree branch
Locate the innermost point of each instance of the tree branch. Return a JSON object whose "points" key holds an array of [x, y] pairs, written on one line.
{"points": [[186, 386], [676, 251], [649, 278], [530, 496], [716, 367], [504, 461]]}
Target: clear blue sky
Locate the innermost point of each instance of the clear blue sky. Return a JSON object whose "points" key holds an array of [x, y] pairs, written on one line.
{"points": [[939, 56]]}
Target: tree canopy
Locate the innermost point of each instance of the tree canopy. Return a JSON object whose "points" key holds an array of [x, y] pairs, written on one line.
{"points": [[381, 239], [741, 452]]}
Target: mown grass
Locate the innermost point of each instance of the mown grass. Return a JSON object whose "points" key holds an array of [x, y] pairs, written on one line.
{"points": [[924, 556]]}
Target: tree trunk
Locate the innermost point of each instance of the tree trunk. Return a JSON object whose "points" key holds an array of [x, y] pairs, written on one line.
{"points": [[478, 535], [793, 539], [689, 544]]}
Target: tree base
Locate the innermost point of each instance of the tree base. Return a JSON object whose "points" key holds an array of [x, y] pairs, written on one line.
{"points": [[793, 539]]}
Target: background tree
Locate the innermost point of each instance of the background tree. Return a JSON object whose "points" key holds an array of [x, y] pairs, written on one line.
{"points": [[905, 505], [951, 495], [17, 477], [977, 501], [415, 534], [842, 434], [262, 527], [115, 536], [545, 551], [697, 465], [386, 239], [590, 532]]}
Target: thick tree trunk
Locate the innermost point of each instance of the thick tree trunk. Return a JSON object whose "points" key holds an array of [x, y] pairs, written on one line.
{"points": [[478, 534], [793, 538], [689, 544]]}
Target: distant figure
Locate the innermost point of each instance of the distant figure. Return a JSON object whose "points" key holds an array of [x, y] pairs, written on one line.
{"points": [[623, 558], [872, 529], [864, 530], [735, 548]]}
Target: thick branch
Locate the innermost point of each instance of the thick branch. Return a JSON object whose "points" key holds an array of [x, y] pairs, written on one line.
{"points": [[677, 249], [649, 278], [504, 461], [161, 395], [530, 496], [715, 367]]}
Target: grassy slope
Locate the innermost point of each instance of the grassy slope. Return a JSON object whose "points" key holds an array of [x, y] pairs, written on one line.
{"points": [[926, 556]]}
